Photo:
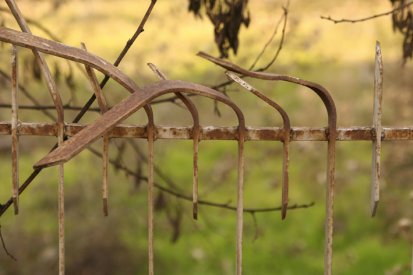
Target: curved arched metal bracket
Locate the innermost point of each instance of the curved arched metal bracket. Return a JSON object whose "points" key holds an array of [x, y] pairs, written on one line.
{"points": [[332, 133], [134, 102], [38, 44], [285, 139], [124, 108], [101, 100], [196, 134]]}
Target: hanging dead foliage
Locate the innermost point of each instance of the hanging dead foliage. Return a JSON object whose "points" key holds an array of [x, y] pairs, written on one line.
{"points": [[402, 19], [227, 16]]}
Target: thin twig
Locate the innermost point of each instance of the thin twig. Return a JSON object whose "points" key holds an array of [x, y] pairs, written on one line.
{"points": [[233, 208], [336, 21], [103, 106], [225, 83], [268, 43], [5, 248], [157, 170], [28, 95], [179, 195], [256, 230], [281, 44], [47, 107], [35, 24]]}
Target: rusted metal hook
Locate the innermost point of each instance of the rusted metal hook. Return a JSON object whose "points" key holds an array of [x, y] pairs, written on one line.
{"points": [[332, 133], [38, 44], [285, 140], [137, 100], [196, 134], [105, 151], [51, 85], [150, 129], [75, 145]]}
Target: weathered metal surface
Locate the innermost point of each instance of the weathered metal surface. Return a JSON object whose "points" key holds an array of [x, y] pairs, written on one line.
{"points": [[67, 52], [124, 109], [209, 133], [61, 203], [196, 131], [332, 125], [14, 131], [151, 202], [285, 140], [137, 100], [103, 106], [378, 95], [51, 85]]}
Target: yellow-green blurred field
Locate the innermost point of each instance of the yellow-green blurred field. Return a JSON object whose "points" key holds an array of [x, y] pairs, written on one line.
{"points": [[338, 56]]}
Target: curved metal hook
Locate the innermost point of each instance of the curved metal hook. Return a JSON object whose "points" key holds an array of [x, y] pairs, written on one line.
{"points": [[285, 140], [332, 133], [101, 100], [196, 134], [137, 100], [51, 86], [71, 53]]}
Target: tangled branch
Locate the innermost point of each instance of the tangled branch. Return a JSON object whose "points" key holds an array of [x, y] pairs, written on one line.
{"points": [[398, 8], [402, 20]]}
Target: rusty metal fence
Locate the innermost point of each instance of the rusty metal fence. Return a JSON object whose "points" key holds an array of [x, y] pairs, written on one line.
{"points": [[72, 138]]}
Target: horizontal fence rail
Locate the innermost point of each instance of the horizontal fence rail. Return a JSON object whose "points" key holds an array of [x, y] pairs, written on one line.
{"points": [[218, 133]]}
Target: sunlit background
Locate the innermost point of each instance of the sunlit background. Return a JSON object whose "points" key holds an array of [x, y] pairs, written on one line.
{"points": [[338, 56]]}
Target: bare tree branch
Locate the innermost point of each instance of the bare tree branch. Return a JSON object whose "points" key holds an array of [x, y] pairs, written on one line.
{"points": [[179, 195], [47, 107], [4, 246], [28, 95], [336, 21], [220, 86], [267, 43], [35, 24], [281, 44]]}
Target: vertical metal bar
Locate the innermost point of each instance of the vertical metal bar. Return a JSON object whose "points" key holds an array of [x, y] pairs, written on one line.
{"points": [[329, 223], [51, 85], [196, 134], [61, 205], [240, 201], [332, 133], [105, 174], [14, 130], [377, 107], [105, 154], [285, 176], [286, 137], [151, 137]]}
